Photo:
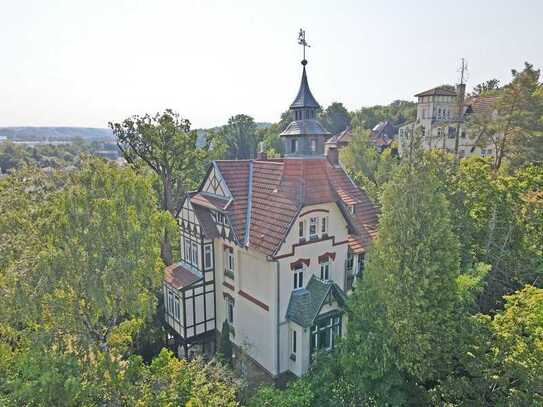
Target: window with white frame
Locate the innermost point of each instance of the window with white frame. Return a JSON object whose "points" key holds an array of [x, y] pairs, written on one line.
{"points": [[301, 230], [176, 308], [293, 145], [194, 259], [313, 145], [298, 277], [324, 225], [170, 302], [293, 344], [229, 310], [313, 228], [186, 250], [325, 270], [325, 333], [208, 256], [229, 261]]}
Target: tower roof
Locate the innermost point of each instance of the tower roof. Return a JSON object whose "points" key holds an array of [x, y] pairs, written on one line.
{"points": [[304, 98]]}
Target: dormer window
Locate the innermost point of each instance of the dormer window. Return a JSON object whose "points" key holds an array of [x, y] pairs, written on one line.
{"points": [[352, 209]]}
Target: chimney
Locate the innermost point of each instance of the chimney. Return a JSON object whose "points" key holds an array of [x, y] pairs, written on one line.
{"points": [[332, 154], [261, 154]]}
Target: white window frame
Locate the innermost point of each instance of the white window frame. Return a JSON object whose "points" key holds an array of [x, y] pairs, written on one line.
{"points": [[298, 277], [314, 223], [313, 145], [229, 263], [324, 225], [194, 251], [176, 308], [301, 229], [208, 251], [325, 267]]}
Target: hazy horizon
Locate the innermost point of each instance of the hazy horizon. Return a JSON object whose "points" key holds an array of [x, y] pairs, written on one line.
{"points": [[82, 64]]}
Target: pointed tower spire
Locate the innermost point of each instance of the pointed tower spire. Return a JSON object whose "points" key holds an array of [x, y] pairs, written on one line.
{"points": [[304, 136]]}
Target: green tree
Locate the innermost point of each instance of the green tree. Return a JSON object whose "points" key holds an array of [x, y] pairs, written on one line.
{"points": [[335, 118], [404, 319], [397, 113], [486, 87], [501, 357], [514, 126], [225, 345], [240, 137], [165, 144], [369, 168]]}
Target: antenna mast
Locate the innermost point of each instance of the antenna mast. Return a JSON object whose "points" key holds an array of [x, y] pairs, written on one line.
{"points": [[460, 95]]}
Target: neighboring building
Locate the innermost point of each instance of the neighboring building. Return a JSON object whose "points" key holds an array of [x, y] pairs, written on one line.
{"points": [[438, 117], [381, 136], [272, 246]]}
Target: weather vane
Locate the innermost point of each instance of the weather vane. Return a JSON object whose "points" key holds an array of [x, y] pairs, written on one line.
{"points": [[303, 42]]}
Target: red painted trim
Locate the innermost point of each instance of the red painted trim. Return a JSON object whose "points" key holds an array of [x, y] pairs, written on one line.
{"points": [[314, 210], [332, 238], [299, 262], [224, 283], [325, 256], [253, 300]]}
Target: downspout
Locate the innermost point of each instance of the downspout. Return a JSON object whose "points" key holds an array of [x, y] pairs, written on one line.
{"points": [[277, 307]]}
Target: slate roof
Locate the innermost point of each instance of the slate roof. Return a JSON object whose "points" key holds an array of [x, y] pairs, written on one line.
{"points": [[304, 98], [210, 201], [305, 304], [444, 90], [344, 137], [180, 277], [307, 127], [206, 222], [280, 188]]}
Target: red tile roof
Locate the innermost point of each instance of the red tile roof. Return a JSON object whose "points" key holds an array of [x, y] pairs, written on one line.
{"points": [[236, 175], [280, 188], [179, 276]]}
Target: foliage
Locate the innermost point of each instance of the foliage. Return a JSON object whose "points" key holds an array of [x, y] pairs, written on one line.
{"points": [[500, 357], [397, 113], [16, 156], [335, 118], [514, 125], [165, 144], [239, 137], [225, 345], [486, 87], [369, 168], [79, 270]]}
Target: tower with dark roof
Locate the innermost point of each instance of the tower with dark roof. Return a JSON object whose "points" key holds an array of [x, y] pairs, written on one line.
{"points": [[305, 135]]}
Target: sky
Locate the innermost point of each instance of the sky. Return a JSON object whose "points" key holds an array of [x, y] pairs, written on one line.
{"points": [[85, 63]]}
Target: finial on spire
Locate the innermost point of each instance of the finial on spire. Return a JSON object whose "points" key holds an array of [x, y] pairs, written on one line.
{"points": [[303, 42]]}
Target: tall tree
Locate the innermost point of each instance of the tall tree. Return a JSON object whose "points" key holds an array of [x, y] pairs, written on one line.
{"points": [[166, 145], [403, 320], [335, 118], [369, 168], [240, 137], [513, 126]]}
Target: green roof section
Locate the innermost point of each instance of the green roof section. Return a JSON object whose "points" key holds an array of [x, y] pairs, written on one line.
{"points": [[305, 304]]}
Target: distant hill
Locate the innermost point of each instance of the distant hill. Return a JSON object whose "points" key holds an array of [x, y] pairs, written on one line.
{"points": [[55, 133]]}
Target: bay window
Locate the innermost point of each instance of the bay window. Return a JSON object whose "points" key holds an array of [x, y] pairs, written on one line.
{"points": [[325, 332]]}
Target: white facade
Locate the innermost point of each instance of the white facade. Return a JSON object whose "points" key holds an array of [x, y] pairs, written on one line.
{"points": [[436, 125]]}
